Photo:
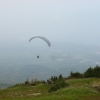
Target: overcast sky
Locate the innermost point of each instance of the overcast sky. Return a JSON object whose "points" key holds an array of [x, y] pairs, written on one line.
{"points": [[58, 20]]}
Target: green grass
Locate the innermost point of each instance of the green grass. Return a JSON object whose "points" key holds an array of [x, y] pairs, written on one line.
{"points": [[79, 89]]}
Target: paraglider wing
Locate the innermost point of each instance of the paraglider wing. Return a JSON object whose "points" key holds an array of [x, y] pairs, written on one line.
{"points": [[43, 38]]}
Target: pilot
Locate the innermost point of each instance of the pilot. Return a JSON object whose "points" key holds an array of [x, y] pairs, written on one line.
{"points": [[38, 56]]}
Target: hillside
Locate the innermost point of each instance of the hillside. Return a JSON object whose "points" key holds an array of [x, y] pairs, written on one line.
{"points": [[78, 89]]}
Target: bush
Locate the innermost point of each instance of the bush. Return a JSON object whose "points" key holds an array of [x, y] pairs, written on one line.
{"points": [[27, 82], [58, 84], [42, 81], [34, 83], [76, 75]]}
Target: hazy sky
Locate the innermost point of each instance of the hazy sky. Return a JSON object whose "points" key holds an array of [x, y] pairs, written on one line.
{"points": [[60, 20]]}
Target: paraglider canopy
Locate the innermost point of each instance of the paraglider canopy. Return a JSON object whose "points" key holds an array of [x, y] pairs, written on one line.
{"points": [[43, 38]]}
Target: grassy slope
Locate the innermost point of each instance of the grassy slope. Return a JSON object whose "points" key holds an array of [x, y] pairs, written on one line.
{"points": [[79, 89]]}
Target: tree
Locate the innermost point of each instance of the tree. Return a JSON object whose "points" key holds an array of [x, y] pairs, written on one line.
{"points": [[96, 71], [60, 77], [89, 72], [54, 78], [76, 75]]}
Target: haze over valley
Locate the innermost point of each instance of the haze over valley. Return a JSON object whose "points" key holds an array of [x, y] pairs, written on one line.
{"points": [[19, 62]]}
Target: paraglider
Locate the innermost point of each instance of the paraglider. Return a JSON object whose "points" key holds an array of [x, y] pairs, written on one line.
{"points": [[43, 38]]}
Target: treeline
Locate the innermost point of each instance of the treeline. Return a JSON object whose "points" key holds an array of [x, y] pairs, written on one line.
{"points": [[55, 83], [90, 72], [58, 82]]}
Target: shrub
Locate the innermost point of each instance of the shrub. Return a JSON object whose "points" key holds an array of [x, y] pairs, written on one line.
{"points": [[57, 85], [27, 82]]}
